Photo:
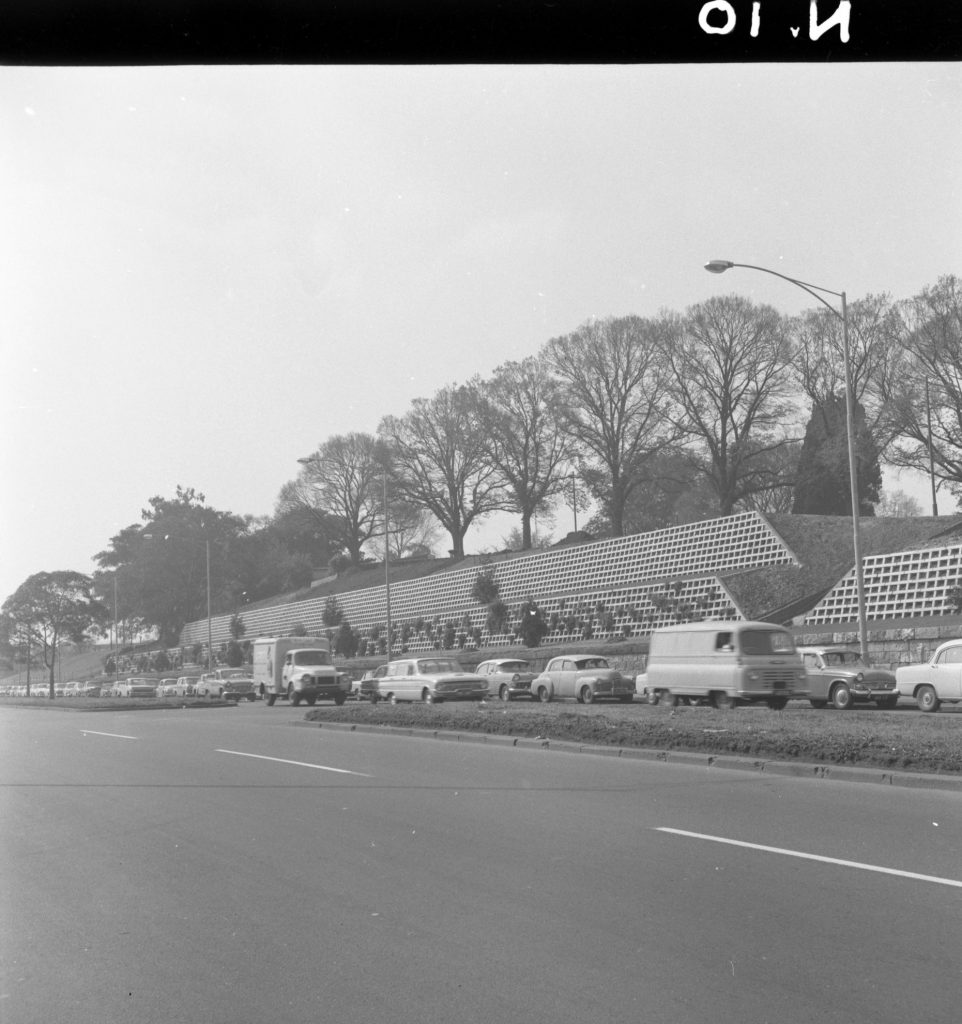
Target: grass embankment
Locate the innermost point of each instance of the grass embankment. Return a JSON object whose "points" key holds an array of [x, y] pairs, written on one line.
{"points": [[902, 740]]}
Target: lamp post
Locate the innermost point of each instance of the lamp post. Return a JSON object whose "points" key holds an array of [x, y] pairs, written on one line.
{"points": [[387, 575], [719, 267]]}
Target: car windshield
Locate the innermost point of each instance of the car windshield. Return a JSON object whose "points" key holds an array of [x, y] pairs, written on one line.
{"points": [[312, 658], [592, 663], [437, 666], [847, 658], [237, 673], [513, 666], [766, 641]]}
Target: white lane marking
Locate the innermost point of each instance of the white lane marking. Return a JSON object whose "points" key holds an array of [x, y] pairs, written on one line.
{"points": [[115, 735], [302, 764], [815, 856]]}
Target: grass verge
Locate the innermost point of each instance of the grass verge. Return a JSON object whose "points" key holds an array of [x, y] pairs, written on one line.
{"points": [[903, 739]]}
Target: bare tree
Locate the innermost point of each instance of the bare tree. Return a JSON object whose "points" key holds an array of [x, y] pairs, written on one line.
{"points": [[877, 357], [439, 460], [340, 482], [728, 362], [929, 395], [615, 404], [520, 409]]}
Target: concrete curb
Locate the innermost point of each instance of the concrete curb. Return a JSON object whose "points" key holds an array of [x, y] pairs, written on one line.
{"points": [[794, 769]]}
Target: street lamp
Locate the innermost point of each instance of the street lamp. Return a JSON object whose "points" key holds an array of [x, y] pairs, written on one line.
{"points": [[719, 267]]}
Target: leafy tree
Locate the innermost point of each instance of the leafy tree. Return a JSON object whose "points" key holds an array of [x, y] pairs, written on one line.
{"points": [[438, 457], [160, 567], [877, 359], [342, 482], [615, 405], [237, 627], [728, 362], [51, 608], [521, 409], [234, 655], [823, 480]]}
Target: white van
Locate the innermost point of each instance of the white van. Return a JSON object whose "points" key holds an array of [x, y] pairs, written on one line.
{"points": [[724, 663]]}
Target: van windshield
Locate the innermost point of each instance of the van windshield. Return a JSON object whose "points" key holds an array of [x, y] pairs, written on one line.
{"points": [[765, 641], [311, 658]]}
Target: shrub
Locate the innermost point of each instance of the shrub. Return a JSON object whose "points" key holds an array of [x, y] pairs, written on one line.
{"points": [[346, 641], [333, 614], [448, 638], [531, 624], [485, 589], [237, 627], [234, 655]]}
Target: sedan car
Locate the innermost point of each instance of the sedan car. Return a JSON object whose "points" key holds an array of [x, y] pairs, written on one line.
{"points": [[367, 687], [431, 680], [938, 680], [183, 686], [227, 684], [136, 687], [507, 677], [586, 677], [838, 676]]}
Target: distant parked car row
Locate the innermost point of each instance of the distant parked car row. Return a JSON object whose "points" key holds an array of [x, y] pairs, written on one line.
{"points": [[585, 677]]}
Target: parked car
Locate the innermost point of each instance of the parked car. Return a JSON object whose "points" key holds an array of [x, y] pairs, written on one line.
{"points": [[183, 686], [136, 687], [838, 676], [431, 680], [586, 677], [507, 677], [92, 689], [73, 689], [227, 684], [367, 687], [938, 680]]}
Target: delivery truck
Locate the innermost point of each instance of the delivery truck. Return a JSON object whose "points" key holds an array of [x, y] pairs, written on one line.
{"points": [[297, 668]]}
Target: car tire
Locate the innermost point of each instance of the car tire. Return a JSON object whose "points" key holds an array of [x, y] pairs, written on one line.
{"points": [[339, 699], [927, 699], [586, 696], [426, 696], [818, 704], [311, 701], [373, 698], [270, 698], [842, 697], [777, 703], [504, 693], [544, 694]]}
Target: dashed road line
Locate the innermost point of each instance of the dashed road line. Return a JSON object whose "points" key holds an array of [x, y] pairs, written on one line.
{"points": [[114, 735], [301, 764], [817, 857]]}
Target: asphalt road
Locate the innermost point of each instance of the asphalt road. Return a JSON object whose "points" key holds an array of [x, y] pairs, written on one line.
{"points": [[223, 866]]}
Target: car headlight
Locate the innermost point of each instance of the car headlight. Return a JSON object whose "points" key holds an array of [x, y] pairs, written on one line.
{"points": [[516, 678], [859, 677]]}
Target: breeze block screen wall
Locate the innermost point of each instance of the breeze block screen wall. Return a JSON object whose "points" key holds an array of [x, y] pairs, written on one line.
{"points": [[623, 586]]}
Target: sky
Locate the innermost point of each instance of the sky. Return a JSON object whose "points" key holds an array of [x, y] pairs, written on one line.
{"points": [[207, 271]]}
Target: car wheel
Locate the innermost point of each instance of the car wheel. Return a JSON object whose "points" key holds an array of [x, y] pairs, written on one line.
{"points": [[543, 694], [339, 699], [311, 701], [927, 699], [293, 696], [504, 693], [777, 703], [587, 696], [373, 698], [270, 698], [426, 696], [842, 697], [722, 701], [818, 703], [652, 696]]}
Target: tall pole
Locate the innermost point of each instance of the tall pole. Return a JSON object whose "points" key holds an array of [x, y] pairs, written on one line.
{"points": [[387, 575], [719, 267], [853, 484], [210, 645], [574, 499]]}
